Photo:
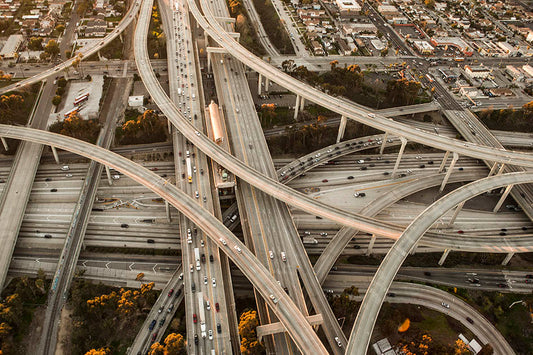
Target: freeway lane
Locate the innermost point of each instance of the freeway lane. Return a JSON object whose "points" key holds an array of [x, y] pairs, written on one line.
{"points": [[366, 318]]}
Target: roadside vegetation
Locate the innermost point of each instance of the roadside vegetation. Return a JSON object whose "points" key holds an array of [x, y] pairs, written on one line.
{"points": [[20, 299], [518, 120], [361, 87], [250, 345], [76, 127], [15, 109], [273, 26], [146, 128], [248, 35], [157, 47], [106, 318]]}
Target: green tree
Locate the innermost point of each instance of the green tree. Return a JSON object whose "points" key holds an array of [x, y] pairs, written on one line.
{"points": [[52, 48], [56, 100], [35, 44]]}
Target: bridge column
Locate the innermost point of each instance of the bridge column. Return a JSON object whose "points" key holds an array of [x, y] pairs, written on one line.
{"points": [[259, 82], [167, 210], [455, 213], [4, 142], [169, 125], [297, 106], [302, 103], [500, 171], [267, 83], [342, 128], [493, 169], [444, 160], [507, 259], [504, 196], [54, 152], [208, 61], [385, 136], [371, 244], [444, 256], [108, 172], [397, 164], [449, 171]]}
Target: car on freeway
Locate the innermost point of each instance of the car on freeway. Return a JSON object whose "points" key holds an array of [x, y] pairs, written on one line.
{"points": [[195, 339], [271, 254], [170, 292], [223, 241], [48, 236], [203, 258], [152, 325], [470, 320], [283, 256], [214, 282], [124, 225], [207, 305], [154, 336], [503, 285], [325, 180], [445, 305], [194, 318], [217, 307], [529, 276], [238, 249], [219, 328], [53, 190], [211, 259], [210, 334], [170, 308], [337, 340]]}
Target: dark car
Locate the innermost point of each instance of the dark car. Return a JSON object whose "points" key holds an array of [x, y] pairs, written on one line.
{"points": [[48, 179], [470, 320], [357, 246], [162, 321], [364, 168], [211, 259], [391, 294], [502, 285], [124, 225], [217, 307], [152, 325], [325, 180], [219, 328], [350, 177], [427, 273], [203, 258], [195, 339], [154, 336], [150, 241], [53, 190], [529, 276], [48, 236]]}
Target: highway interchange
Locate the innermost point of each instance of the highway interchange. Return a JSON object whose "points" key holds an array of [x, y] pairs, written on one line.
{"points": [[249, 164]]}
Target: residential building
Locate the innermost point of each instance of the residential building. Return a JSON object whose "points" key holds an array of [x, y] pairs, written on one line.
{"points": [[317, 48]]}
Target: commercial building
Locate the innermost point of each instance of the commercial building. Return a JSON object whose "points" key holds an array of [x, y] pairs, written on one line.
{"points": [[135, 101], [423, 47], [456, 42], [9, 51], [348, 8], [477, 72]]}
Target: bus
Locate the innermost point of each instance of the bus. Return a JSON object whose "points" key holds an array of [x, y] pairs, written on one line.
{"points": [[73, 111], [81, 98]]}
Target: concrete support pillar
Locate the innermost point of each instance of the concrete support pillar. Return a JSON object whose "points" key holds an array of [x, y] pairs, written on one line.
{"points": [[385, 136], [54, 152], [4, 142], [371, 244], [259, 82], [507, 259], [444, 160], [397, 164], [449, 171], [297, 106], [208, 62], [302, 103], [167, 210], [108, 172], [500, 170], [342, 128], [444, 256], [169, 125], [504, 196], [455, 213], [267, 83], [493, 169]]}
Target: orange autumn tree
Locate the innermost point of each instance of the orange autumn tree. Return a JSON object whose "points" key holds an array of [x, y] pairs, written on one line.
{"points": [[174, 345], [101, 351], [248, 323]]}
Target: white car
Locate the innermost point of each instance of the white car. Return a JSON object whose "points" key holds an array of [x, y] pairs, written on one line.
{"points": [[214, 282], [445, 305], [271, 253], [238, 249], [210, 332], [223, 241], [205, 280], [283, 256]]}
